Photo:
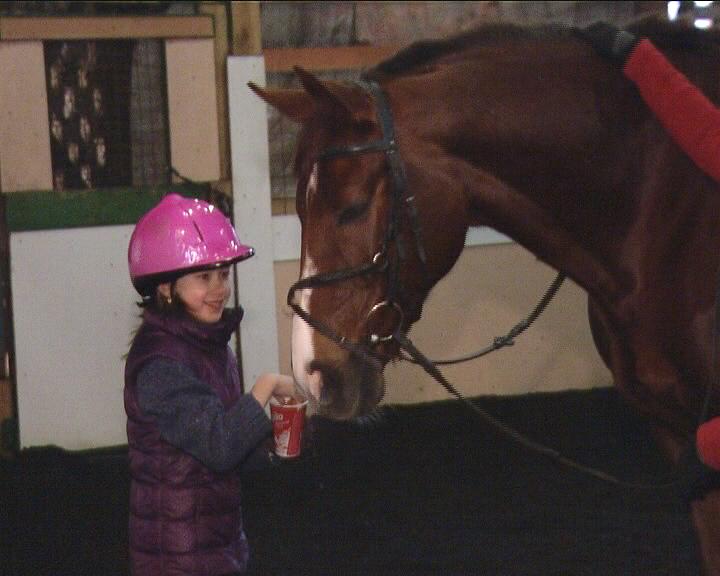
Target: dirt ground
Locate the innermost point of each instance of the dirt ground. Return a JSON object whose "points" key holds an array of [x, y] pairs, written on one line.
{"points": [[428, 490]]}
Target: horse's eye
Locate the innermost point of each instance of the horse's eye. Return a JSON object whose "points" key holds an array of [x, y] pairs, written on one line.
{"points": [[352, 213]]}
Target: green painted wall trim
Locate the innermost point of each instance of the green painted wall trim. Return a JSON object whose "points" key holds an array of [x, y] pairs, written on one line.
{"points": [[48, 210]]}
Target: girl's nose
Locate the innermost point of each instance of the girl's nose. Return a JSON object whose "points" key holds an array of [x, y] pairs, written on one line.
{"points": [[219, 280]]}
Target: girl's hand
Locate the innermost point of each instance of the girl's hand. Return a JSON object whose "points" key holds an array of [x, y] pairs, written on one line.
{"points": [[268, 385], [284, 386]]}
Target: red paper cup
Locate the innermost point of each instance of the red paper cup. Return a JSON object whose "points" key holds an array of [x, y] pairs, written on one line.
{"points": [[288, 421]]}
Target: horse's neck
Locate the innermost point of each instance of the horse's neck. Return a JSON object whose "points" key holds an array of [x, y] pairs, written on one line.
{"points": [[527, 138]]}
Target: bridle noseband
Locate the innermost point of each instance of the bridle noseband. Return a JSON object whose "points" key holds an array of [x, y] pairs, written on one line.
{"points": [[384, 261]]}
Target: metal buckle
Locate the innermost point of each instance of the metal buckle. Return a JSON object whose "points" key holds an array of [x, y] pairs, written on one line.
{"points": [[399, 317]]}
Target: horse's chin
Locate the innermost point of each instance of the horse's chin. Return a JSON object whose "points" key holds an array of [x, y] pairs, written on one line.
{"points": [[351, 390]]}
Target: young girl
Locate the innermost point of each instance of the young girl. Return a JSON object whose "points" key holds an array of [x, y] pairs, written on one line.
{"points": [[189, 428]]}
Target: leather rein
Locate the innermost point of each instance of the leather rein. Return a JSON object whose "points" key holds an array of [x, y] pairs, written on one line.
{"points": [[386, 261]]}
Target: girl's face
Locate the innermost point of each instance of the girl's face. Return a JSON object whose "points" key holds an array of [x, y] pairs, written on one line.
{"points": [[204, 293]]}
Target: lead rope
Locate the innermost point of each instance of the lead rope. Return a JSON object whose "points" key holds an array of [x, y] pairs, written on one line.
{"points": [[509, 338], [427, 365]]}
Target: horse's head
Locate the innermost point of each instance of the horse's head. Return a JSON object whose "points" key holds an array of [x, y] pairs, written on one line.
{"points": [[373, 243]]}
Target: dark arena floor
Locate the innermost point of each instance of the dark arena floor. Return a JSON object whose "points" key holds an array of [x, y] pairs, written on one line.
{"points": [[428, 490]]}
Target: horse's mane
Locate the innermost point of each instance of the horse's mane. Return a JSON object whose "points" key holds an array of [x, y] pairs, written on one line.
{"points": [[663, 34], [425, 52]]}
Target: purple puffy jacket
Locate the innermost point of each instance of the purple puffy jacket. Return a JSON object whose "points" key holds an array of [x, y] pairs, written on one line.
{"points": [[184, 518]]}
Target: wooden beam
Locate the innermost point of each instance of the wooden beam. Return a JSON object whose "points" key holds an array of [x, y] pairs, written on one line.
{"points": [[219, 12], [192, 107], [7, 412], [25, 147], [246, 28], [326, 58], [283, 206], [105, 27]]}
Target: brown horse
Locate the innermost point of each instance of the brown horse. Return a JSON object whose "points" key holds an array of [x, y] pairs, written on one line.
{"points": [[532, 133]]}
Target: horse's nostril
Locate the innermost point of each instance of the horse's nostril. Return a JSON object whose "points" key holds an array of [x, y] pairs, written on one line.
{"points": [[323, 381]]}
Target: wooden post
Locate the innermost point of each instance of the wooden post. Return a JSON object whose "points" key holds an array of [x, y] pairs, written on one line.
{"points": [[7, 411], [219, 13], [246, 28], [237, 32]]}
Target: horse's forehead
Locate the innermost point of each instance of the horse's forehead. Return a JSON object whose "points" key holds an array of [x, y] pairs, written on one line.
{"points": [[313, 139], [328, 130], [309, 163]]}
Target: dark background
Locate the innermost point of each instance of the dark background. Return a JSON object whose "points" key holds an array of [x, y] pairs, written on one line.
{"points": [[429, 489]]}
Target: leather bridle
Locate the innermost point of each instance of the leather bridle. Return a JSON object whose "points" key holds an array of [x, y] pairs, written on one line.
{"points": [[386, 260]]}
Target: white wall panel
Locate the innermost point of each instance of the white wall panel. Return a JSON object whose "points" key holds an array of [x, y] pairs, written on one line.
{"points": [[74, 311], [253, 216]]}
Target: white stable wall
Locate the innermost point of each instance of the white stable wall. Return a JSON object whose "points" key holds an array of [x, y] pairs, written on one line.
{"points": [[74, 311]]}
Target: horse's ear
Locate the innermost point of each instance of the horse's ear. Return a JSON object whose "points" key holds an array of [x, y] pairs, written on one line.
{"points": [[334, 98], [297, 105]]}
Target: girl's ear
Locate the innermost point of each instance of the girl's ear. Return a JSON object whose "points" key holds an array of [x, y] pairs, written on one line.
{"points": [[165, 290]]}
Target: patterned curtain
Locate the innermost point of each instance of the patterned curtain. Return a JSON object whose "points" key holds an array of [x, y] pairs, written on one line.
{"points": [[107, 113], [148, 115]]}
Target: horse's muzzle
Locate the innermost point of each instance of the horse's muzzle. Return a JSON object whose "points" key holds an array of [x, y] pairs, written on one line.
{"points": [[348, 390]]}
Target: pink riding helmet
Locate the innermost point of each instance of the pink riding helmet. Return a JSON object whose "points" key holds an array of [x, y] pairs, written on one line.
{"points": [[178, 236]]}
